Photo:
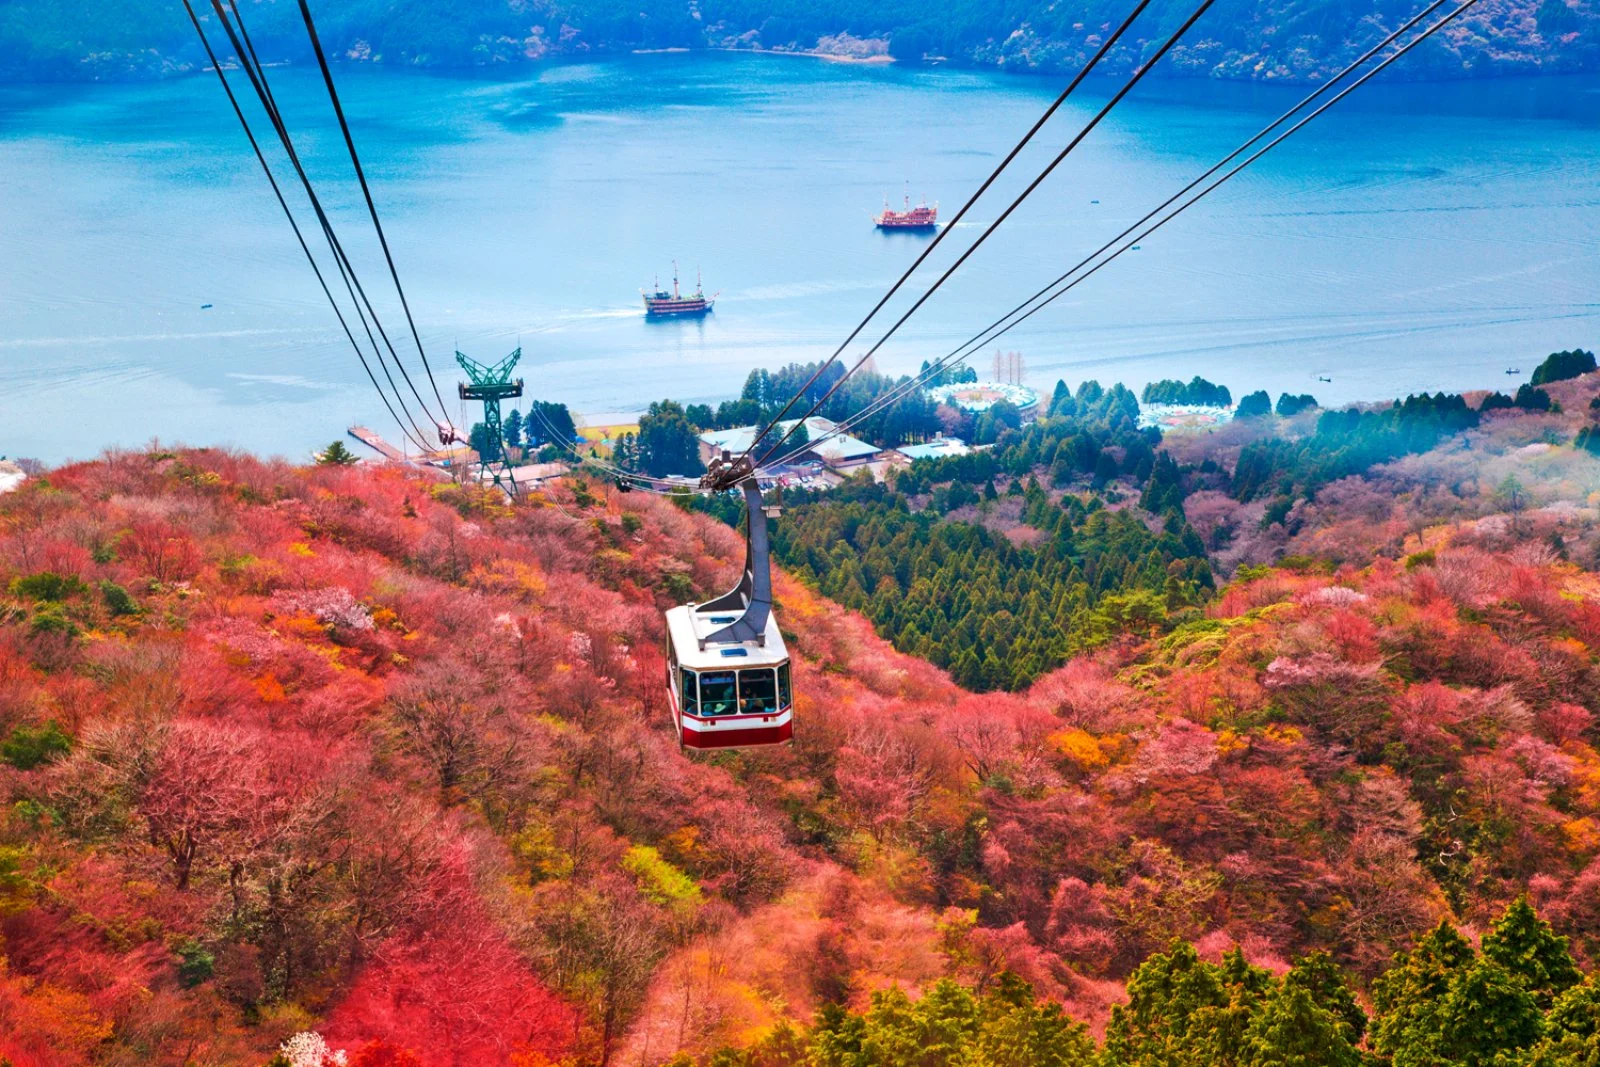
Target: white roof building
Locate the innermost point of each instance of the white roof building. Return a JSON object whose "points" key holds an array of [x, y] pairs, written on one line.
{"points": [[978, 397], [840, 450], [938, 448]]}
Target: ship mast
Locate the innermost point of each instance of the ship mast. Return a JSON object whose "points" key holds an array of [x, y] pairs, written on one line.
{"points": [[675, 279]]}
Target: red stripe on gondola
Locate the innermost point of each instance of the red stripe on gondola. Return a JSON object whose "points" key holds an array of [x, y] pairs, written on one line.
{"points": [[730, 734], [766, 735]]}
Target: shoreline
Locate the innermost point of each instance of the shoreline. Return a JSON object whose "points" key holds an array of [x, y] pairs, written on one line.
{"points": [[875, 60], [170, 68]]}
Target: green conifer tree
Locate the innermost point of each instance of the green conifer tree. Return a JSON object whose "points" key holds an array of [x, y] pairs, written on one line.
{"points": [[891, 1036], [838, 1037], [1165, 994], [1577, 1011], [1017, 1031], [1218, 1035], [1572, 1030], [946, 1021], [1409, 997], [1292, 1030], [782, 1046], [1487, 1013], [1526, 946], [1321, 978], [336, 455]]}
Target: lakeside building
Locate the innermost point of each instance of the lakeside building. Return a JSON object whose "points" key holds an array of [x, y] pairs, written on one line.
{"points": [[978, 397], [938, 448], [535, 475], [1183, 416], [841, 452]]}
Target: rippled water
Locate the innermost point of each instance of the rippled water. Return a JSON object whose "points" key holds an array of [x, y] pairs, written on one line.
{"points": [[1424, 238]]}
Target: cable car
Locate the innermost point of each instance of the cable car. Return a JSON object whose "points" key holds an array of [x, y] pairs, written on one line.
{"points": [[728, 676]]}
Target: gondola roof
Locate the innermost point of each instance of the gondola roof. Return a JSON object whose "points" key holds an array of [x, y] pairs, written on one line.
{"points": [[688, 627]]}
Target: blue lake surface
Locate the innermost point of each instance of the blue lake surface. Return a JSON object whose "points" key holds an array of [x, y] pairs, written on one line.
{"points": [[1416, 237]]}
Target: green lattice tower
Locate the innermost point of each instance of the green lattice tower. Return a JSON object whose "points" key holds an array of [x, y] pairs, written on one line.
{"points": [[492, 385]]}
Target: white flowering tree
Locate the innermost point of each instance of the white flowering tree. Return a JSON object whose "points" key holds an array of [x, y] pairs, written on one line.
{"points": [[308, 1049]]}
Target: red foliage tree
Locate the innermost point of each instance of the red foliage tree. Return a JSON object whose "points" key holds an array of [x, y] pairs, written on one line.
{"points": [[458, 998], [380, 1053], [163, 552]]}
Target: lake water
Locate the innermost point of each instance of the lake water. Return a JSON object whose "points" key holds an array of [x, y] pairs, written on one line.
{"points": [[1418, 237]]}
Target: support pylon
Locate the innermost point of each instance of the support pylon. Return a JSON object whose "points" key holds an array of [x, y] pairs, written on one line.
{"points": [[492, 384]]}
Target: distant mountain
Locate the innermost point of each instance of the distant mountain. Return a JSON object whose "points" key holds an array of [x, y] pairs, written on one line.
{"points": [[1290, 40]]}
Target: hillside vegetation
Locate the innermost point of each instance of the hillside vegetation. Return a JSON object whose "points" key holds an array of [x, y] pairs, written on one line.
{"points": [[340, 764], [1262, 39], [1082, 527]]}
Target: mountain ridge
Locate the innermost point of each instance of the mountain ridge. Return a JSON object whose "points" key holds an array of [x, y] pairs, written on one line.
{"points": [[1271, 40]]}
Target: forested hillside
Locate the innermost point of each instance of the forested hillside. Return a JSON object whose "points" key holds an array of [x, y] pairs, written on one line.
{"points": [[1082, 528], [999, 589], [343, 765], [1259, 39]]}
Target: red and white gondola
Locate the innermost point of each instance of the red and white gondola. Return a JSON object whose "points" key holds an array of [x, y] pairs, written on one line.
{"points": [[728, 675]]}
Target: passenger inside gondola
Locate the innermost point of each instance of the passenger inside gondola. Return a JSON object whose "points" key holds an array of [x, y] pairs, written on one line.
{"points": [[691, 695], [719, 693], [752, 691], [758, 691]]}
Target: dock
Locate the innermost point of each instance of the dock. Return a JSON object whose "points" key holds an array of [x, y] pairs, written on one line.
{"points": [[371, 439], [433, 457]]}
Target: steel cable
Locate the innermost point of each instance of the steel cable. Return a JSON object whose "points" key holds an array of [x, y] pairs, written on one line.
{"points": [[960, 214], [1127, 87], [1000, 326], [372, 209], [277, 192], [256, 72]]}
